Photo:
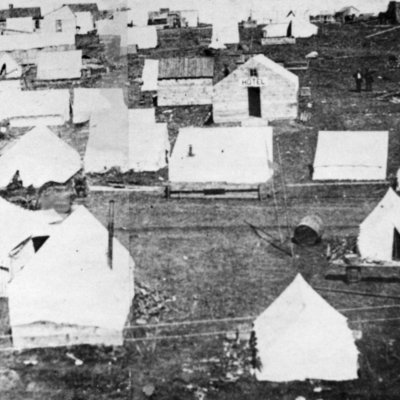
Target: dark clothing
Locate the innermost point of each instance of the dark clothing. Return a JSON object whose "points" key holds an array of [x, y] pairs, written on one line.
{"points": [[358, 78], [369, 79]]}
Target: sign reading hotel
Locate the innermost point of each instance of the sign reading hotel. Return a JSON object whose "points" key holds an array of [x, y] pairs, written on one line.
{"points": [[252, 82]]}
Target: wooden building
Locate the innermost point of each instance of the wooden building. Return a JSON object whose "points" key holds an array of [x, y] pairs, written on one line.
{"points": [[20, 12], [60, 20], [185, 81], [258, 88]]}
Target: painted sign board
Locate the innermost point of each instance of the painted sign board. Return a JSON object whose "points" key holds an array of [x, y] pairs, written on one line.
{"points": [[252, 82]]}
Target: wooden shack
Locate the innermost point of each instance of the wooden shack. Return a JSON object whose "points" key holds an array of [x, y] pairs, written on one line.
{"points": [[185, 81], [258, 88]]}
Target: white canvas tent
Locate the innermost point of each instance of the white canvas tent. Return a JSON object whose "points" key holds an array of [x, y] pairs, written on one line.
{"points": [[377, 231], [10, 85], [351, 155], [148, 141], [40, 157], [59, 65], [20, 25], [239, 155], [12, 69], [84, 20], [145, 37], [108, 146], [150, 75], [291, 26], [68, 293], [91, 101], [35, 107], [29, 41], [300, 336]]}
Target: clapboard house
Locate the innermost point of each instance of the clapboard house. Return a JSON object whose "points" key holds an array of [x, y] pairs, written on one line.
{"points": [[259, 88], [185, 81], [20, 12]]}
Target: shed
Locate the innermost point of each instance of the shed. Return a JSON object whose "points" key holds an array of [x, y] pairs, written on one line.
{"points": [[234, 155], [300, 336], [150, 75], [348, 13], [36, 107], [59, 65], [258, 88], [85, 22], [149, 145], [9, 68], [89, 101], [60, 20], [20, 25], [78, 298], [40, 157], [185, 81], [351, 155], [379, 236], [144, 37]]}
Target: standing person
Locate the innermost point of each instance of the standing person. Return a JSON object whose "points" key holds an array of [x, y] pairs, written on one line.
{"points": [[369, 79], [359, 78]]}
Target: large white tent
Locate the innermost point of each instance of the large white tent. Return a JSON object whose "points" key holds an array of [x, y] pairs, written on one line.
{"points": [[351, 155], [13, 69], [239, 155], [10, 85], [108, 144], [377, 231], [149, 146], [94, 100], [300, 336], [68, 293], [145, 37], [59, 65], [40, 157]]}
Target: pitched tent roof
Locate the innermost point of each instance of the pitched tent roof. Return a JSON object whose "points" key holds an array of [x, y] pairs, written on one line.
{"points": [[90, 101], [351, 155], [107, 146], [13, 69], [33, 107], [300, 336], [150, 75], [232, 155], [40, 157], [183, 67], [300, 27], [148, 141], [28, 41], [20, 12], [85, 22], [59, 65], [73, 282], [145, 37], [375, 239], [25, 24]]}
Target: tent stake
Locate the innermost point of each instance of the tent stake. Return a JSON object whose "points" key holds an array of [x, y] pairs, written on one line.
{"points": [[110, 233]]}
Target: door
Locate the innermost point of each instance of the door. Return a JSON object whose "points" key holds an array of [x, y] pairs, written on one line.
{"points": [[396, 245], [254, 102]]}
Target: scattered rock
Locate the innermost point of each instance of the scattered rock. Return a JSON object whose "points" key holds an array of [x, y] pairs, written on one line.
{"points": [[9, 379], [149, 390]]}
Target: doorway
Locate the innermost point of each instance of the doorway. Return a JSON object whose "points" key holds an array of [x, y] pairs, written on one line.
{"points": [[254, 102], [396, 245]]}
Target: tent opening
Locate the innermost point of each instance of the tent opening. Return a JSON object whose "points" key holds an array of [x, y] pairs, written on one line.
{"points": [[3, 70], [254, 102], [396, 245], [289, 30], [38, 242]]}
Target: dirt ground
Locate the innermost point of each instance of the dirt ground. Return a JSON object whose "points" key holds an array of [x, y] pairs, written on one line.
{"points": [[203, 256]]}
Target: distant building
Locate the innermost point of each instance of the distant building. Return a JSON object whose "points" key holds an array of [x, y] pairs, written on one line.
{"points": [[173, 19], [347, 14], [393, 12], [324, 17], [26, 12]]}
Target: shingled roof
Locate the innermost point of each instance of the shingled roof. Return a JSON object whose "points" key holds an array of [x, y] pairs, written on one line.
{"points": [[183, 68], [12, 12], [86, 7]]}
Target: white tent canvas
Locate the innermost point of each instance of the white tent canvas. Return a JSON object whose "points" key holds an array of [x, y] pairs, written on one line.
{"points": [[90, 101], [239, 155], [148, 141], [300, 336], [377, 231], [69, 288], [20, 25], [351, 155], [40, 157], [35, 107], [150, 75], [84, 20], [145, 37], [291, 26], [59, 65], [12, 69], [108, 146], [10, 85], [28, 41]]}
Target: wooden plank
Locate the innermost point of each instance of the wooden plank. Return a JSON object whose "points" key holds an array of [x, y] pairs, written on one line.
{"points": [[338, 183]]}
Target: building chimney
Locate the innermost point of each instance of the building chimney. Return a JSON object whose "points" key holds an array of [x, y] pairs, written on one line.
{"points": [[110, 233], [191, 154]]}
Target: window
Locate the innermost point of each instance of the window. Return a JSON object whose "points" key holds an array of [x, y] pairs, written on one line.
{"points": [[253, 72], [58, 25]]}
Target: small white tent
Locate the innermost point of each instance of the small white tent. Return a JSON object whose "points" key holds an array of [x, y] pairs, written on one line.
{"points": [[300, 336], [68, 293], [40, 157], [108, 146], [145, 37], [148, 141], [59, 65], [378, 239], [238, 155], [91, 101], [9, 67], [150, 75], [351, 155]]}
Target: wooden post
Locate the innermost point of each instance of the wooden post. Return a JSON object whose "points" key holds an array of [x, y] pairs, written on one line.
{"points": [[110, 233]]}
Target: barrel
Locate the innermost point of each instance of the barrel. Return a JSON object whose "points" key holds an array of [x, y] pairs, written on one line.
{"points": [[309, 231]]}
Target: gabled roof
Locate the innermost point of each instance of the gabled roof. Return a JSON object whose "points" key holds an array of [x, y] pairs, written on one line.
{"points": [[82, 7], [33, 12], [344, 9], [174, 68]]}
